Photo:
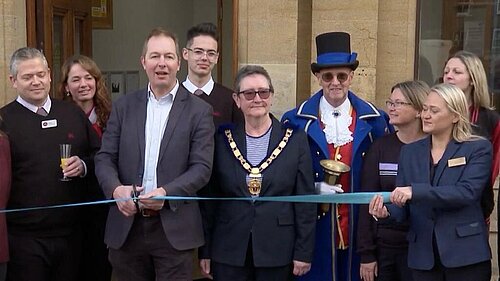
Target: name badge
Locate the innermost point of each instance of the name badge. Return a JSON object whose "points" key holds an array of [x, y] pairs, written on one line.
{"points": [[49, 124], [456, 162], [388, 169]]}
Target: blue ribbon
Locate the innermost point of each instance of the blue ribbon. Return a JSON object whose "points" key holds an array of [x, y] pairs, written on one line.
{"points": [[345, 198]]}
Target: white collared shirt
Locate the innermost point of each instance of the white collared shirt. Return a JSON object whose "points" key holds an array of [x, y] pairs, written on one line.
{"points": [[158, 112], [337, 121], [46, 105], [207, 88]]}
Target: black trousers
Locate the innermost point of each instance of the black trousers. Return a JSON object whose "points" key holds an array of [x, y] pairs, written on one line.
{"points": [[249, 272], [477, 272], [94, 264], [147, 255], [3, 271], [393, 265], [44, 258]]}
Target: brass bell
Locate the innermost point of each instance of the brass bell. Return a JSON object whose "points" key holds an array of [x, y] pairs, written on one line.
{"points": [[332, 170]]}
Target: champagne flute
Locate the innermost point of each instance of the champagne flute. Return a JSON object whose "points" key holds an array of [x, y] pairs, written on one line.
{"points": [[65, 150]]}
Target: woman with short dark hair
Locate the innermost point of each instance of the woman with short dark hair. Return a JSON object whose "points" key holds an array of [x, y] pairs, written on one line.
{"points": [[257, 240]]}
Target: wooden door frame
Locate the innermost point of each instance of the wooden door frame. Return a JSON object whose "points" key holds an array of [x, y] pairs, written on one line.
{"points": [[40, 16], [416, 57], [234, 40]]}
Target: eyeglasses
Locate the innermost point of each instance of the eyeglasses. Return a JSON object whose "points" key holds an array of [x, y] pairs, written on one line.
{"points": [[396, 104], [199, 52], [250, 94], [341, 77]]}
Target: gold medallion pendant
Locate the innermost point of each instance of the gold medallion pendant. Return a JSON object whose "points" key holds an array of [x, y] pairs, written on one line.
{"points": [[254, 183], [255, 173]]}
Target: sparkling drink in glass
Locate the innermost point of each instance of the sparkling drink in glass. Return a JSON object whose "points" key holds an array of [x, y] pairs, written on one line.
{"points": [[65, 150]]}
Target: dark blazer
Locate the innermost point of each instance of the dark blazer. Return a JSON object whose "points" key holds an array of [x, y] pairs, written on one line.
{"points": [[448, 206], [280, 231], [184, 164]]}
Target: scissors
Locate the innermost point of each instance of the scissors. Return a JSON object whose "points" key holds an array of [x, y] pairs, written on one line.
{"points": [[134, 196]]}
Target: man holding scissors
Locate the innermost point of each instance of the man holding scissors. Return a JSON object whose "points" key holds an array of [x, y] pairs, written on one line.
{"points": [[159, 141]]}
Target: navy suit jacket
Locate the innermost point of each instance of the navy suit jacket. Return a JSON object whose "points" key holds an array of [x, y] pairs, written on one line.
{"points": [[280, 231], [184, 164], [448, 206]]}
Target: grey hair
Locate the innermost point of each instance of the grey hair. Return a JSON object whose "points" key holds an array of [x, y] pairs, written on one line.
{"points": [[248, 70], [24, 54]]}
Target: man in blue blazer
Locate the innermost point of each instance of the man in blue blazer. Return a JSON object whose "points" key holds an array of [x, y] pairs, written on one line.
{"points": [[158, 141], [340, 126]]}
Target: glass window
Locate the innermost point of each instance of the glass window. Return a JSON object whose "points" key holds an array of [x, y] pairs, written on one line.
{"points": [[78, 36], [447, 26], [57, 50]]}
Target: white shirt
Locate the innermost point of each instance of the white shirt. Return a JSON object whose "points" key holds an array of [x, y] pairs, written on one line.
{"points": [[158, 112], [93, 116], [46, 105], [207, 88]]}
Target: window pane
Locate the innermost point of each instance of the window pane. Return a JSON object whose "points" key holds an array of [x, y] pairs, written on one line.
{"points": [[447, 26], [78, 34]]}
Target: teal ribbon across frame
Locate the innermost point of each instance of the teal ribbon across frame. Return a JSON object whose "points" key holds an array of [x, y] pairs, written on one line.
{"points": [[344, 198]]}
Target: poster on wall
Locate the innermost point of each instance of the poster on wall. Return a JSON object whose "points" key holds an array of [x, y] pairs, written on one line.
{"points": [[474, 37], [495, 71], [463, 8], [495, 41], [102, 14]]}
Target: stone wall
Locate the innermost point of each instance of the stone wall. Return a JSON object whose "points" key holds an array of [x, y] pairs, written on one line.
{"points": [[280, 35], [12, 37], [267, 36]]}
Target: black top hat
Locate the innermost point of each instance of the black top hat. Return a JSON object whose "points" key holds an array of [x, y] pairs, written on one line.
{"points": [[334, 50]]}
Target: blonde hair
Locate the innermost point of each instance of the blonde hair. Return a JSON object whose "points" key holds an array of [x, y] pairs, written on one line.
{"points": [[479, 94], [456, 102]]}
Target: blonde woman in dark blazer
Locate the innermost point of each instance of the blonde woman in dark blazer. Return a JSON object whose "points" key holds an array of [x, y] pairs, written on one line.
{"points": [[440, 181]]}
